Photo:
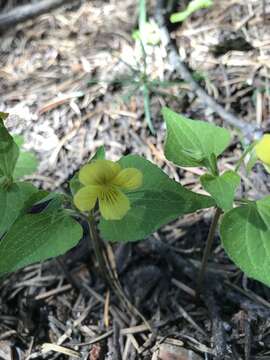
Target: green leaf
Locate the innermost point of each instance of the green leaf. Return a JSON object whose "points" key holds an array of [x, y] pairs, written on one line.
{"points": [[222, 188], [74, 183], [19, 140], [100, 154], [245, 233], [9, 151], [39, 197], [159, 201], [37, 237], [12, 202], [193, 142], [27, 162], [251, 160], [26, 165], [192, 7]]}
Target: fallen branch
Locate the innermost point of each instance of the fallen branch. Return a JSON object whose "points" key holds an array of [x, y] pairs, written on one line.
{"points": [[250, 131], [26, 12]]}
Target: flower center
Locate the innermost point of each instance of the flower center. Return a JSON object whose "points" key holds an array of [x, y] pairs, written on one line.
{"points": [[108, 194]]}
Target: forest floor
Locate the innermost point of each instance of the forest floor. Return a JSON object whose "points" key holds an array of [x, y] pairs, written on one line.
{"points": [[70, 82]]}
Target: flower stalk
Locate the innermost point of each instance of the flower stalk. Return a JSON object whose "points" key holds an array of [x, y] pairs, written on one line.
{"points": [[207, 249], [106, 271], [94, 241]]}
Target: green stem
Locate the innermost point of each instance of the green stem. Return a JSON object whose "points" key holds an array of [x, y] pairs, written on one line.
{"points": [[207, 249], [242, 158]]}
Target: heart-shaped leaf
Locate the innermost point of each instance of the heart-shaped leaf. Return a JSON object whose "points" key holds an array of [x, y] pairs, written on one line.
{"points": [[159, 201], [9, 151], [245, 233], [222, 188], [193, 142], [12, 202], [37, 237]]}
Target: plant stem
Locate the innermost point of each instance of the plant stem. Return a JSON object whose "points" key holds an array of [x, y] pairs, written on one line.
{"points": [[207, 249], [96, 243], [242, 158], [107, 272]]}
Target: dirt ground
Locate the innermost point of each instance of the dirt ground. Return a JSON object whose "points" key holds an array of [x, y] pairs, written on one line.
{"points": [[70, 81]]}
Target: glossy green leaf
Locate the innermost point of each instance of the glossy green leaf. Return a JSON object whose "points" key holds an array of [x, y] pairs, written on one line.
{"points": [[245, 233], [222, 188], [193, 142], [9, 151], [159, 201], [12, 202], [37, 237]]}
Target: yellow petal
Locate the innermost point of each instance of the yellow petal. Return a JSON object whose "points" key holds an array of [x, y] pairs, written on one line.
{"points": [[113, 204], [263, 149], [99, 172], [129, 179], [85, 199]]}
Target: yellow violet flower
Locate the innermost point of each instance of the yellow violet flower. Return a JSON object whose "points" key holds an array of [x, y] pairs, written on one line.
{"points": [[104, 181], [263, 149]]}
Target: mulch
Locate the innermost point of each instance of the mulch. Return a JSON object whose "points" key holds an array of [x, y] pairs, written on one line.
{"points": [[68, 80]]}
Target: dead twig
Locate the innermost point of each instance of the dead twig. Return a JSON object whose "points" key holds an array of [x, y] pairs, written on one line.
{"points": [[26, 12]]}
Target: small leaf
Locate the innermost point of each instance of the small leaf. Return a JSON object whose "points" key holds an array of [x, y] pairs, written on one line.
{"points": [[222, 188], [9, 151], [193, 6], [12, 202], [158, 201], [100, 154], [193, 142], [37, 237], [245, 233]]}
